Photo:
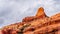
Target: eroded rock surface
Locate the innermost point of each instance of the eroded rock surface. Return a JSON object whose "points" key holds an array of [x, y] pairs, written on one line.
{"points": [[39, 24]]}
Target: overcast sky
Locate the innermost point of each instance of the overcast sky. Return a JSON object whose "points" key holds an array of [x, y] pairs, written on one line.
{"points": [[12, 11]]}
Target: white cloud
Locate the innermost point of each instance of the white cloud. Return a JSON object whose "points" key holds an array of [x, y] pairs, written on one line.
{"points": [[12, 11]]}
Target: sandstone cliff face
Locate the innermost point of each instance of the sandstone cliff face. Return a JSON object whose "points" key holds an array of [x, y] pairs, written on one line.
{"points": [[39, 24]]}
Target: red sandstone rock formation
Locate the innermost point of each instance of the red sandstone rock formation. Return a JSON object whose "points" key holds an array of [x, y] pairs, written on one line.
{"points": [[39, 24]]}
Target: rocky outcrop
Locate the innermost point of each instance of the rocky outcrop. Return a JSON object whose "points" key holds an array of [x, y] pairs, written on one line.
{"points": [[39, 24]]}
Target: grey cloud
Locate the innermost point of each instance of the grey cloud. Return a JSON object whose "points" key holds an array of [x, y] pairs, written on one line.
{"points": [[13, 11]]}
